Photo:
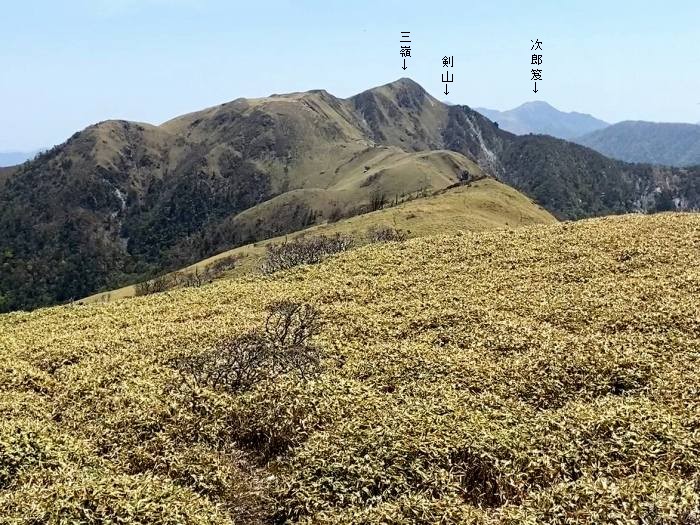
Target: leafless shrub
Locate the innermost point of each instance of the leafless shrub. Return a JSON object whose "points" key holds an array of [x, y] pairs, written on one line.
{"points": [[377, 201], [156, 285], [303, 250], [193, 279], [280, 347], [424, 187], [188, 279], [224, 264], [335, 214], [385, 234], [464, 176]]}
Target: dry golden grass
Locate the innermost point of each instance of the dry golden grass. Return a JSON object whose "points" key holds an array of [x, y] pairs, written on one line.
{"points": [[547, 374]]}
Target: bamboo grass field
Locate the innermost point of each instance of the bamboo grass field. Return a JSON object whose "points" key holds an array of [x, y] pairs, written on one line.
{"points": [[544, 374]]}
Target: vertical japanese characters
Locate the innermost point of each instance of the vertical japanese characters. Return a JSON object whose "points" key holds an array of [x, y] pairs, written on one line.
{"points": [[405, 47], [536, 61], [447, 77]]}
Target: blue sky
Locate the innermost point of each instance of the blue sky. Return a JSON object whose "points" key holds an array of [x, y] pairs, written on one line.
{"points": [[69, 63]]}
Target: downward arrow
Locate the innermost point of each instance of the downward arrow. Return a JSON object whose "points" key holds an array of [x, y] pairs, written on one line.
{"points": [[404, 64], [446, 92], [535, 90]]}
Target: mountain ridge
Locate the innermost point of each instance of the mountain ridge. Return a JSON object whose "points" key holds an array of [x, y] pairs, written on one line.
{"points": [[120, 201]]}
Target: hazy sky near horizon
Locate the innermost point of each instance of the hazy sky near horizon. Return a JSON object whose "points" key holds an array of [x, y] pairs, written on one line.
{"points": [[70, 63]]}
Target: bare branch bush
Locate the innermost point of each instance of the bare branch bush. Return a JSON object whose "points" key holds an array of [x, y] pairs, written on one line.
{"points": [[156, 285], [303, 250], [385, 234], [239, 363], [377, 201], [188, 279], [193, 279], [224, 264]]}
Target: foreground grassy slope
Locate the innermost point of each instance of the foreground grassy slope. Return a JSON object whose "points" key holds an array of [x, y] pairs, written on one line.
{"points": [[547, 374], [483, 205]]}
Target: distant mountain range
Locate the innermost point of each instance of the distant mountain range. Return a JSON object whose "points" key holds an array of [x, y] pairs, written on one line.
{"points": [[669, 144], [543, 119], [12, 158], [649, 142]]}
